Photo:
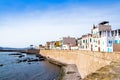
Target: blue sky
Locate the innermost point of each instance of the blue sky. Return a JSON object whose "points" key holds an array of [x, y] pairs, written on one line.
{"points": [[25, 22]]}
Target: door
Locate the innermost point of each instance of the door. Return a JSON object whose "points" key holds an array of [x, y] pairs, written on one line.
{"points": [[98, 49]]}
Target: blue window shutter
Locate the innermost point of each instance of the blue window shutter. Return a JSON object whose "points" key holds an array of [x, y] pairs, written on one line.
{"points": [[116, 41], [109, 50]]}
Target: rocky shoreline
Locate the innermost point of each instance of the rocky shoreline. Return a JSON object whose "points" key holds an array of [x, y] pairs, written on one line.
{"points": [[28, 67], [22, 58]]}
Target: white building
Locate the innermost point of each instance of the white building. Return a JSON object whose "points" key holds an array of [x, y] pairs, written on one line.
{"points": [[52, 45], [102, 39], [74, 48], [106, 41], [79, 43], [96, 34], [85, 42], [65, 47]]}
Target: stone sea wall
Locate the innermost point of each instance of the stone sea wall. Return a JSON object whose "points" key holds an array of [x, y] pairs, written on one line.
{"points": [[87, 62], [68, 71]]}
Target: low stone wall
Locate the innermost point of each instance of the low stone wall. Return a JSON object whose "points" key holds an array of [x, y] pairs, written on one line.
{"points": [[68, 71], [87, 62]]}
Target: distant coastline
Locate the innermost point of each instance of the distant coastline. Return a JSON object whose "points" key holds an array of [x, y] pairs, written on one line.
{"points": [[29, 51]]}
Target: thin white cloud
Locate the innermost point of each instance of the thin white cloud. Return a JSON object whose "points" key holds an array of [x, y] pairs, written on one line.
{"points": [[20, 30]]}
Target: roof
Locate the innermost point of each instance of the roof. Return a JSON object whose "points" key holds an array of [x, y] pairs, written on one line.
{"points": [[69, 40], [87, 35], [104, 22]]}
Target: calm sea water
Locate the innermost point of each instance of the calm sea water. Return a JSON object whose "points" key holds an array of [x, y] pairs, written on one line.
{"points": [[11, 70]]}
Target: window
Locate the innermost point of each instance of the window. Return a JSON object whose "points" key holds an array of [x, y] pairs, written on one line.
{"points": [[86, 40], [110, 42], [112, 33], [116, 41], [108, 33], [103, 43], [83, 41], [98, 41], [90, 40], [100, 33], [109, 50]]}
